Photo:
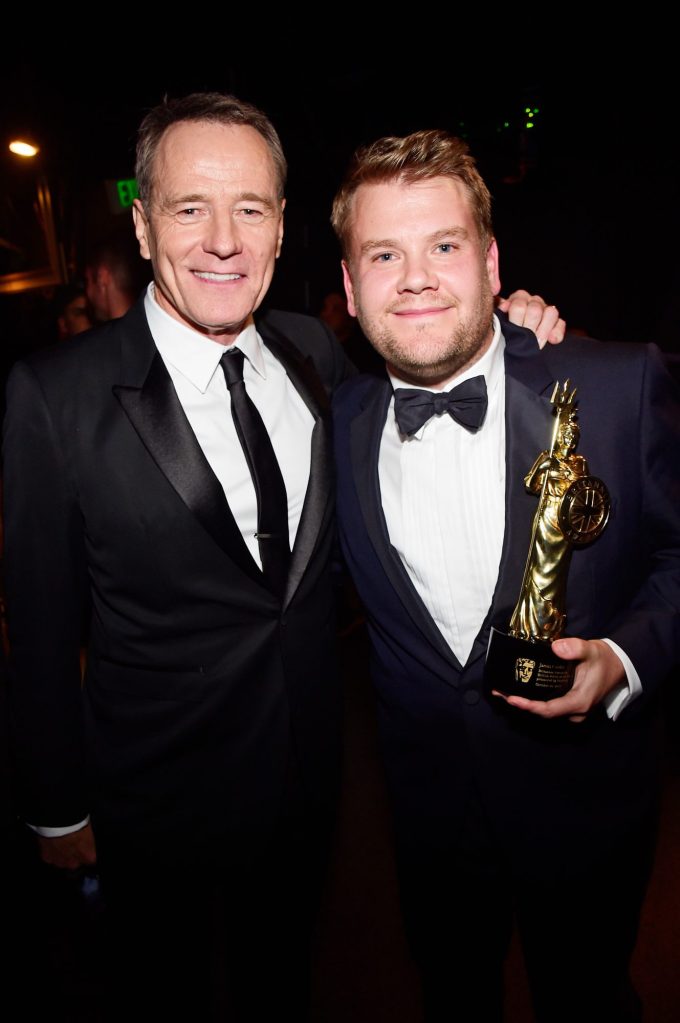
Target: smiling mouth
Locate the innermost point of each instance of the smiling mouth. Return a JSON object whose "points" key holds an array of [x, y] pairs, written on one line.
{"points": [[205, 275], [428, 311]]}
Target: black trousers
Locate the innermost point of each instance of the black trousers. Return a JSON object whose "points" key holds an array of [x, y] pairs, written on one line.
{"points": [[578, 932], [214, 935]]}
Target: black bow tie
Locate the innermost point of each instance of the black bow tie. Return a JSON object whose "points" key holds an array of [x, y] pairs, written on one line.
{"points": [[465, 403]]}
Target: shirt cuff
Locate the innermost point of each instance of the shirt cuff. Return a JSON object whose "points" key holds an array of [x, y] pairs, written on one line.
{"points": [[623, 694], [58, 832]]}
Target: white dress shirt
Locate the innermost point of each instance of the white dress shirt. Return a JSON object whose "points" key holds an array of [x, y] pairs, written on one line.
{"points": [[193, 362], [451, 545]]}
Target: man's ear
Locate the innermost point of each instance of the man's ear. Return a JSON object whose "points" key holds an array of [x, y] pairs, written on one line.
{"points": [[142, 229], [492, 267], [349, 289], [280, 239]]}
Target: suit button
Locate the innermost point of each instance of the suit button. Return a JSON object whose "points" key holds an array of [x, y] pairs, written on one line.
{"points": [[471, 697]]}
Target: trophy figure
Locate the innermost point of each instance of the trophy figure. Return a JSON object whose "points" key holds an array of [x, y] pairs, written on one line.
{"points": [[573, 509]]}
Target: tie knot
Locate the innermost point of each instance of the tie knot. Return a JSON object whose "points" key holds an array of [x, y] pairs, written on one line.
{"points": [[466, 403], [232, 366]]}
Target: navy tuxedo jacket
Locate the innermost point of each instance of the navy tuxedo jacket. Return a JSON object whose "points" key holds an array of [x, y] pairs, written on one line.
{"points": [[553, 790], [202, 690]]}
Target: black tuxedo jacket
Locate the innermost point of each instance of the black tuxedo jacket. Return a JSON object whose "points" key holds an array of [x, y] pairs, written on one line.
{"points": [[202, 691], [554, 791]]}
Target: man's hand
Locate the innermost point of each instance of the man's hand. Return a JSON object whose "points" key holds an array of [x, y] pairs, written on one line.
{"points": [[69, 851], [599, 671], [531, 311]]}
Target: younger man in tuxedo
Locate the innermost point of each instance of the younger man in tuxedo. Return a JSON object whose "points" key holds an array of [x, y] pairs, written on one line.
{"points": [[544, 808]]}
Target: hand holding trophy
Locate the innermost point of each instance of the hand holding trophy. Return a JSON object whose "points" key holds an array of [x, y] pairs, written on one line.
{"points": [[573, 509]]}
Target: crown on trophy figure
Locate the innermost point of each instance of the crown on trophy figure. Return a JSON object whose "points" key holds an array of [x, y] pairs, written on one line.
{"points": [[564, 403]]}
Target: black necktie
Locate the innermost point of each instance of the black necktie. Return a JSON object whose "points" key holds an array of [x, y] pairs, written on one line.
{"points": [[465, 403], [272, 503]]}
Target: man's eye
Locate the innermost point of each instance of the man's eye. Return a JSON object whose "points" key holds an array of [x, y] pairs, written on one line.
{"points": [[384, 257], [188, 213], [446, 247], [250, 213]]}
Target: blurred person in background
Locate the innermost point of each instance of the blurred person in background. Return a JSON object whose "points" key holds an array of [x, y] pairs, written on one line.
{"points": [[72, 311], [115, 275]]}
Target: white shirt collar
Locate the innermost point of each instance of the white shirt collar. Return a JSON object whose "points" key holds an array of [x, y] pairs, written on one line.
{"points": [[192, 354]]}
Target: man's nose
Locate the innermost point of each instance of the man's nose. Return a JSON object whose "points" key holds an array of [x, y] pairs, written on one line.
{"points": [[417, 275], [222, 235]]}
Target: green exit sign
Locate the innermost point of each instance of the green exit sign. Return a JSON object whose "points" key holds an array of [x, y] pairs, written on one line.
{"points": [[127, 192]]}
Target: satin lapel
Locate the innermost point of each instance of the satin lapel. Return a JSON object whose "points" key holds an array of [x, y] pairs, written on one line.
{"points": [[148, 398], [528, 425], [300, 369], [365, 436], [318, 504]]}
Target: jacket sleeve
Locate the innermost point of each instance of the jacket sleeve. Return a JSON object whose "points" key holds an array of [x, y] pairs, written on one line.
{"points": [[46, 587], [649, 629]]}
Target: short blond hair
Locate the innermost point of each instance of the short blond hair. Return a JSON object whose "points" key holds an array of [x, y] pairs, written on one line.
{"points": [[417, 157]]}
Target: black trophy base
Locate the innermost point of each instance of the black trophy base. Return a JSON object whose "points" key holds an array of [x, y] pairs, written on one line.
{"points": [[518, 667]]}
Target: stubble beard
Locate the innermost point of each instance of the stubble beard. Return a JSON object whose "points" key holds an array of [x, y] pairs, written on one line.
{"points": [[428, 359]]}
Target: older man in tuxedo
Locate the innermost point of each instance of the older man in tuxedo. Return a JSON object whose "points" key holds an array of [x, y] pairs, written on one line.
{"points": [[169, 476], [500, 804]]}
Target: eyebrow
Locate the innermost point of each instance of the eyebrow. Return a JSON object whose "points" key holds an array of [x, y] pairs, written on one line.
{"points": [[254, 197], [183, 200], [392, 243]]}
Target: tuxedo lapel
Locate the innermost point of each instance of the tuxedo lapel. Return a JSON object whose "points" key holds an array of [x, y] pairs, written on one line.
{"points": [[148, 398], [317, 504], [365, 436]]}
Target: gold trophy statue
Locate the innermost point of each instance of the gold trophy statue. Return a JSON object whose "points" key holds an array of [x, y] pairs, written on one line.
{"points": [[573, 509]]}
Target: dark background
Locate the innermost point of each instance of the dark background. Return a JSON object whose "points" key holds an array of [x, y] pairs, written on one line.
{"points": [[586, 201], [587, 214]]}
